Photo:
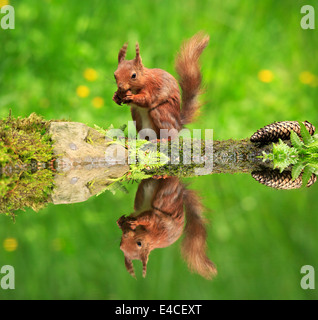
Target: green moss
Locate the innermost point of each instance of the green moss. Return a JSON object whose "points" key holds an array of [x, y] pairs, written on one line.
{"points": [[25, 190], [23, 141]]}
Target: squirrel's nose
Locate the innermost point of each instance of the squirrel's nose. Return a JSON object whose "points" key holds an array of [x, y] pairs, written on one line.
{"points": [[122, 87]]}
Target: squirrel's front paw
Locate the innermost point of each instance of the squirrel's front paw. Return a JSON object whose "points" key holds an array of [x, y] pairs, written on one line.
{"points": [[124, 222], [128, 98]]}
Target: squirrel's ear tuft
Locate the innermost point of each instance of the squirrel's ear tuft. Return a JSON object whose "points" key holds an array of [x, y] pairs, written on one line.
{"points": [[122, 53], [144, 260], [138, 60]]}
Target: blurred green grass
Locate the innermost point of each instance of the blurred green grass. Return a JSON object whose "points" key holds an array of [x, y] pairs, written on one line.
{"points": [[258, 237]]}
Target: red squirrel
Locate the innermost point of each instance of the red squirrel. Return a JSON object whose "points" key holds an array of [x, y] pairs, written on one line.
{"points": [[158, 221], [154, 95]]}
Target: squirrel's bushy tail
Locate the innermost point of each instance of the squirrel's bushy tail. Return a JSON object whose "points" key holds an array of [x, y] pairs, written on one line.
{"points": [[188, 69], [194, 245]]}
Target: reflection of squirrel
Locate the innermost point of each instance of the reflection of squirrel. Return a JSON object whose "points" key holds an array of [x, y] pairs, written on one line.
{"points": [[154, 95], [158, 222]]}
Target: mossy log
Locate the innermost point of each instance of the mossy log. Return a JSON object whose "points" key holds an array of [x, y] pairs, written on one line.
{"points": [[77, 147]]}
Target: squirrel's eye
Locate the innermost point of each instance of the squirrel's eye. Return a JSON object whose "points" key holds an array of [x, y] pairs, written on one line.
{"points": [[133, 76], [138, 243]]}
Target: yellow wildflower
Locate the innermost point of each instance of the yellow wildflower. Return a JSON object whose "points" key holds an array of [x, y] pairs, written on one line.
{"points": [[98, 102], [82, 91], [266, 76], [90, 74], [4, 3], [306, 77], [10, 244]]}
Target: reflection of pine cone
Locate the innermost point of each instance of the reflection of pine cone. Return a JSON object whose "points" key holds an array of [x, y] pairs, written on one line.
{"points": [[277, 180], [280, 130]]}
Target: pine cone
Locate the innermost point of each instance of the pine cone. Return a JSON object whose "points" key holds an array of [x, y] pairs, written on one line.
{"points": [[280, 130]]}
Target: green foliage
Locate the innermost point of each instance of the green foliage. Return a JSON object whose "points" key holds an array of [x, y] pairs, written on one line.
{"points": [[143, 156], [114, 188], [148, 158], [296, 141], [302, 155], [307, 138], [283, 156], [103, 131]]}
